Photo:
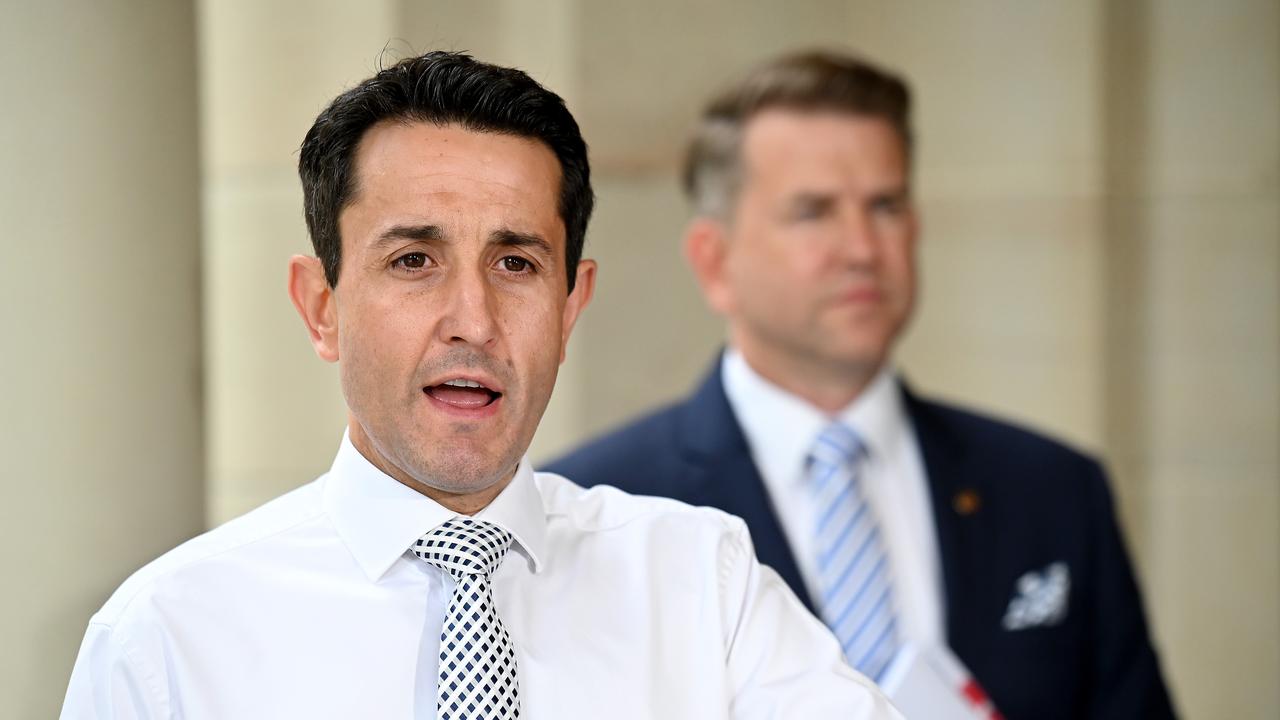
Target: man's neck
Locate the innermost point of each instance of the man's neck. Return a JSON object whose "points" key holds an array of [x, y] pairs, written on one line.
{"points": [[830, 388], [463, 503]]}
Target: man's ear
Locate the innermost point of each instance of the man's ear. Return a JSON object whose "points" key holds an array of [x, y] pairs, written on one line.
{"points": [[584, 287], [706, 248], [315, 302]]}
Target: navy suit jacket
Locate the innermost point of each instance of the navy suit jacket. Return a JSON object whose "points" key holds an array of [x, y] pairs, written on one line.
{"points": [[1006, 502]]}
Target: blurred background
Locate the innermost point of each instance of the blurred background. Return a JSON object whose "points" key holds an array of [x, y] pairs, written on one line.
{"points": [[1099, 183]]}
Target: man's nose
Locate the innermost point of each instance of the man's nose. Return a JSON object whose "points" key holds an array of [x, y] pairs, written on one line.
{"points": [[859, 237], [470, 314]]}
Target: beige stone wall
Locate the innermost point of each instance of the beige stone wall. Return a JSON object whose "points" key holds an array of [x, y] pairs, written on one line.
{"points": [[99, 322], [1193, 336], [1010, 169], [1101, 257], [275, 412]]}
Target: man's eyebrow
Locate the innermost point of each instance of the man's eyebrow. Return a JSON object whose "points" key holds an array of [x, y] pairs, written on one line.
{"points": [[897, 192], [408, 232], [511, 238], [812, 195], [810, 198]]}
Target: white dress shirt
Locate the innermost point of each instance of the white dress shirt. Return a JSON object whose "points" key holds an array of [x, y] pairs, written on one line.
{"points": [[782, 428], [310, 607]]}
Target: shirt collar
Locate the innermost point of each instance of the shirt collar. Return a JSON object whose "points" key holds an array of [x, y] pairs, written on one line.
{"points": [[781, 427], [877, 414], [519, 510], [379, 518]]}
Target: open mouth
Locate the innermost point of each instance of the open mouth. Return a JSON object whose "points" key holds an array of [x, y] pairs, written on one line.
{"points": [[463, 394]]}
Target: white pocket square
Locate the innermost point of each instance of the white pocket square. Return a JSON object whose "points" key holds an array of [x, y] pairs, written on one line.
{"points": [[1040, 599]]}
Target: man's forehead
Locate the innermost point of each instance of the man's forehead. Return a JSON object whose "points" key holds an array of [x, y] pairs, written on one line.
{"points": [[417, 147], [777, 141], [797, 126], [408, 167]]}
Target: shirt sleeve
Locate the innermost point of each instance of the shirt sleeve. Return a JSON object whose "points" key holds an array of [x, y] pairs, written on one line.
{"points": [[782, 661], [108, 682]]}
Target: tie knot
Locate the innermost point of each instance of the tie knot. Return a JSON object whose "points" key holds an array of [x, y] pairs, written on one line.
{"points": [[836, 445], [463, 546]]}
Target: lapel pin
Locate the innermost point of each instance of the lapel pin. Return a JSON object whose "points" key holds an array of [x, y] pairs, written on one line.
{"points": [[966, 502]]}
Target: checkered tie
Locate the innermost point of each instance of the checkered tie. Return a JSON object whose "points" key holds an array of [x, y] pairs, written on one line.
{"points": [[477, 659], [857, 596]]}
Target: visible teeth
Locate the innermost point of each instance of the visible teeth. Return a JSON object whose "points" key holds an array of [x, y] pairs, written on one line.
{"points": [[463, 383]]}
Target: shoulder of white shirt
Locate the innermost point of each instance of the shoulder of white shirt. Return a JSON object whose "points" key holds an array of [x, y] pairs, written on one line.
{"points": [[292, 509], [598, 509], [603, 507]]}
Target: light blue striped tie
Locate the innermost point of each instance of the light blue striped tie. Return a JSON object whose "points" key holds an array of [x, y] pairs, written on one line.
{"points": [[857, 596]]}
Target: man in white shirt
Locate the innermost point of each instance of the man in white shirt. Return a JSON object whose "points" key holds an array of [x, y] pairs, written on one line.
{"points": [[899, 521], [431, 573]]}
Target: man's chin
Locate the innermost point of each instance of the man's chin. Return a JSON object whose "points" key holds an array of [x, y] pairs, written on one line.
{"points": [[862, 352], [464, 474]]}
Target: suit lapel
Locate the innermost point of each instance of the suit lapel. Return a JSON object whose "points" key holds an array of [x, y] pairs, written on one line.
{"points": [[967, 541], [721, 474]]}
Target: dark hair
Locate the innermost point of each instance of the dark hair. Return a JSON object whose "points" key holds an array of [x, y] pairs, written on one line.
{"points": [[440, 88], [806, 81]]}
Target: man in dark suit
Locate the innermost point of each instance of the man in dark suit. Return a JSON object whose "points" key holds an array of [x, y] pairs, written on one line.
{"points": [[897, 520]]}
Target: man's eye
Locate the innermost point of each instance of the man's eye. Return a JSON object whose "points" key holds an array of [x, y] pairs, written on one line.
{"points": [[809, 211], [411, 261], [515, 264], [888, 206]]}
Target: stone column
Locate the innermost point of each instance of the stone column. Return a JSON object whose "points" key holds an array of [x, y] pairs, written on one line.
{"points": [[99, 319], [1011, 191], [275, 411], [1193, 347]]}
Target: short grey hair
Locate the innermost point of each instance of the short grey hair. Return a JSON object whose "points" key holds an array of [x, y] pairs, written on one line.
{"points": [[813, 80]]}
